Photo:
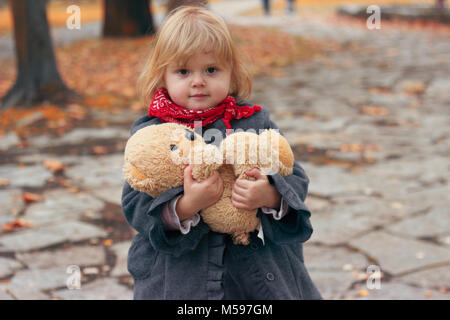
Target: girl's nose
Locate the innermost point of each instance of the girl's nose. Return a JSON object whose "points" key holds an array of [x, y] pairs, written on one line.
{"points": [[197, 80]]}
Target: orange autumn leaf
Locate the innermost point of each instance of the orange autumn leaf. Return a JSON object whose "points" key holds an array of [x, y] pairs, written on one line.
{"points": [[54, 165], [414, 87], [16, 224], [377, 90], [375, 111], [352, 147], [50, 112], [357, 147], [99, 150], [363, 293], [4, 182], [428, 293], [77, 112], [98, 101], [31, 197]]}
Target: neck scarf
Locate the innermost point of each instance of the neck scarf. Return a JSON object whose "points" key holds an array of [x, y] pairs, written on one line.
{"points": [[167, 111]]}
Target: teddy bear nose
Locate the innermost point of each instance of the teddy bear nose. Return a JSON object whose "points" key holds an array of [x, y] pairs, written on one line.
{"points": [[173, 147]]}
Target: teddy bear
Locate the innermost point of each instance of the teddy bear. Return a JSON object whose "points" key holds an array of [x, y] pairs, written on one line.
{"points": [[155, 158]]}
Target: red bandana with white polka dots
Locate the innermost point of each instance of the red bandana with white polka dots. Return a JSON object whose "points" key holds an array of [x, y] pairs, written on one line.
{"points": [[167, 111]]}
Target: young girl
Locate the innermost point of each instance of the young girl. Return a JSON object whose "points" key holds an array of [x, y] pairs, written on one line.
{"points": [[194, 76]]}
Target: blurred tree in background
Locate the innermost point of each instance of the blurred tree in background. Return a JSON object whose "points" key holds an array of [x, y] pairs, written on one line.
{"points": [[173, 4], [38, 78], [127, 18]]}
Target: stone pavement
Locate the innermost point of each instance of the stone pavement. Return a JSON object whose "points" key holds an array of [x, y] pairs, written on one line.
{"points": [[370, 124]]}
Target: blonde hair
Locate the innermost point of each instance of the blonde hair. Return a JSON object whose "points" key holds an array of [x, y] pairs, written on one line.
{"points": [[185, 31]]}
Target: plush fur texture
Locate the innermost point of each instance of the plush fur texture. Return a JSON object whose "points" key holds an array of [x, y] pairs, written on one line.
{"points": [[156, 156]]}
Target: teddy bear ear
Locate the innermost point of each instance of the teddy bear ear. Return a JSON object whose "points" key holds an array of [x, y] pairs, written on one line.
{"points": [[138, 180]]}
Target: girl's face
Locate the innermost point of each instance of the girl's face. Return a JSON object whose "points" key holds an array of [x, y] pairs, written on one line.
{"points": [[200, 84]]}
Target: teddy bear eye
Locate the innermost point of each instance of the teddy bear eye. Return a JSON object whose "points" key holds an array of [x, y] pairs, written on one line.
{"points": [[173, 147], [190, 135]]}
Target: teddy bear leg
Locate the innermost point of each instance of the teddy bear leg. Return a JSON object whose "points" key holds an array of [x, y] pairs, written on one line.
{"points": [[241, 238]]}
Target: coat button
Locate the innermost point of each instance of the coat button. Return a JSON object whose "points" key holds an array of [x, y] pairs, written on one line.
{"points": [[254, 246], [270, 276]]}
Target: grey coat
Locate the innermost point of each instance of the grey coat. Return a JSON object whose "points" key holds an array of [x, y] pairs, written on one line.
{"points": [[207, 265]]}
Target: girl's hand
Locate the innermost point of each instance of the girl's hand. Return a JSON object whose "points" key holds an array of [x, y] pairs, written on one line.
{"points": [[198, 195], [250, 195]]}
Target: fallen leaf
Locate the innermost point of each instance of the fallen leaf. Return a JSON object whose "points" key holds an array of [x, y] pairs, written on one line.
{"points": [[65, 183], [29, 197], [107, 242], [54, 165], [98, 101], [4, 182], [55, 124], [16, 224], [99, 150], [380, 90], [428, 293], [363, 293], [23, 144], [414, 87], [352, 147], [77, 112], [73, 189], [375, 111]]}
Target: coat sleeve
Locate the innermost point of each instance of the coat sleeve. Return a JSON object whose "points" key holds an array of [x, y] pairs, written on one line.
{"points": [[295, 226], [143, 213]]}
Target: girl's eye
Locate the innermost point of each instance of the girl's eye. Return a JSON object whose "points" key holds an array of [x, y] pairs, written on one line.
{"points": [[183, 72], [211, 70]]}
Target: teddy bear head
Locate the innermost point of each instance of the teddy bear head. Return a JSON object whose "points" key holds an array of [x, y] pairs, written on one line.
{"points": [[269, 151], [155, 157]]}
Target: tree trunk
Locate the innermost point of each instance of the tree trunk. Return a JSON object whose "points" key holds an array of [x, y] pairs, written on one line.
{"points": [[173, 4], [127, 18], [38, 78]]}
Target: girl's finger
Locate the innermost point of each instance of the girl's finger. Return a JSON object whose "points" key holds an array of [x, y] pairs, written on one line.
{"points": [[239, 190], [238, 197], [239, 200], [242, 183], [238, 205], [188, 174]]}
